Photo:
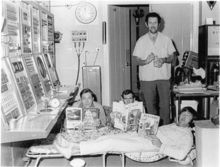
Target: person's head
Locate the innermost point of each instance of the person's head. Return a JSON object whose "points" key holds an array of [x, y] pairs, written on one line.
{"points": [[152, 22], [87, 97], [186, 117], [127, 96]]}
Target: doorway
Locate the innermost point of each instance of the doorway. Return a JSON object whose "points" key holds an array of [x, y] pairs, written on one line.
{"points": [[122, 27], [123, 33]]}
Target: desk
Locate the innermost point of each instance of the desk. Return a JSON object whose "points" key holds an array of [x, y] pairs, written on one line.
{"points": [[37, 125], [207, 94]]}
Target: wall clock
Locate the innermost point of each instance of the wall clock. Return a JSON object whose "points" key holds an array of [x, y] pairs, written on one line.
{"points": [[85, 12]]}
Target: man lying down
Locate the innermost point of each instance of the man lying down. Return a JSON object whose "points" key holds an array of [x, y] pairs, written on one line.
{"points": [[174, 140]]}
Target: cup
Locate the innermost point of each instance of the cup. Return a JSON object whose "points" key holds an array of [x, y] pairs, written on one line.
{"points": [[78, 162]]}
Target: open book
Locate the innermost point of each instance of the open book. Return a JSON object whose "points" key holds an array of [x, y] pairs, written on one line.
{"points": [[73, 117], [126, 117], [148, 124]]}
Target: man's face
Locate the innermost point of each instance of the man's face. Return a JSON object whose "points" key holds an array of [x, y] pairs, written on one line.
{"points": [[87, 100], [184, 119], [127, 99], [152, 24]]}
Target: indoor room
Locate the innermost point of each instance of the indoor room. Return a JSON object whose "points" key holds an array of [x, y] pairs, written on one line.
{"points": [[91, 83]]}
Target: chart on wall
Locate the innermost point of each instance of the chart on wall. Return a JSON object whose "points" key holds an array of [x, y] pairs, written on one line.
{"points": [[33, 75], [43, 73], [10, 105], [22, 82]]}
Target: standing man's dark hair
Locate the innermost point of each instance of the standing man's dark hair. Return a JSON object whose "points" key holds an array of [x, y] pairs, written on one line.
{"points": [[153, 14]]}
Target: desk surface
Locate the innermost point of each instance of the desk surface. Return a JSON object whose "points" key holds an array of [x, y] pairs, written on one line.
{"points": [[207, 93], [32, 126], [38, 125], [205, 124]]}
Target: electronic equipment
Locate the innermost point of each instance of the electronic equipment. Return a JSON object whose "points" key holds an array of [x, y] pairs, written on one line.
{"points": [[10, 104], [11, 30], [91, 77], [50, 68], [23, 85], [36, 29], [209, 50], [50, 23], [26, 41], [48, 50], [33, 76], [44, 31], [190, 59], [43, 73]]}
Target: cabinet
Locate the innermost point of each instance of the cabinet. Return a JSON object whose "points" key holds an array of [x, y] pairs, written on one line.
{"points": [[207, 144], [209, 52]]}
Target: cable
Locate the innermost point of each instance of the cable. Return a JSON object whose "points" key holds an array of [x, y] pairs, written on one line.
{"points": [[79, 50], [97, 52]]}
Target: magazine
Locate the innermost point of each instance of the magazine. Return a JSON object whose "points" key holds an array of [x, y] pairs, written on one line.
{"points": [[73, 117], [91, 118], [126, 117], [148, 124]]}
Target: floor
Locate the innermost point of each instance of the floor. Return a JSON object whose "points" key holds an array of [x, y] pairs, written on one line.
{"points": [[112, 161]]}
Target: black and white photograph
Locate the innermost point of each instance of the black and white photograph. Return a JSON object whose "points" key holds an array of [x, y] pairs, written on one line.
{"points": [[110, 83]]}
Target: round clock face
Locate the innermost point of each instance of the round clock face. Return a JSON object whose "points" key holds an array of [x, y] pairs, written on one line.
{"points": [[86, 12]]}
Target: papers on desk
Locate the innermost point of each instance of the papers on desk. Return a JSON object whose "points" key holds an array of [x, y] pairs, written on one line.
{"points": [[192, 87], [190, 90]]}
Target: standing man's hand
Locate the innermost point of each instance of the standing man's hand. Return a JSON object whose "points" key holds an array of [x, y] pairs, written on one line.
{"points": [[159, 62], [150, 58]]}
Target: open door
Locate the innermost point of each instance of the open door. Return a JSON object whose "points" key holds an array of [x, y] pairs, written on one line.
{"points": [[119, 50]]}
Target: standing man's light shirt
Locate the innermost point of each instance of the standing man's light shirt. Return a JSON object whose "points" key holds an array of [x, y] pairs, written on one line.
{"points": [[162, 47]]}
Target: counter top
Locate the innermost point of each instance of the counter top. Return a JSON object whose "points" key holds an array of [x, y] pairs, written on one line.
{"points": [[37, 124], [206, 124]]}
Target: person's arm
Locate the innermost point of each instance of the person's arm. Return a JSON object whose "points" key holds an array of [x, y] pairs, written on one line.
{"points": [[179, 149], [142, 62], [168, 59], [164, 60], [102, 115]]}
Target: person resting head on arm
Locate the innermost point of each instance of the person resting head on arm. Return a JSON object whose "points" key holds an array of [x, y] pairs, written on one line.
{"points": [[174, 140]]}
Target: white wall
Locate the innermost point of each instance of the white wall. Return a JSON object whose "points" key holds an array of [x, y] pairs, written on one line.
{"points": [[206, 12], [65, 22], [66, 58], [178, 23]]}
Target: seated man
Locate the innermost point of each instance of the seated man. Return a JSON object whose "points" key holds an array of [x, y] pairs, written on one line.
{"points": [[127, 97], [87, 102], [174, 140], [127, 111]]}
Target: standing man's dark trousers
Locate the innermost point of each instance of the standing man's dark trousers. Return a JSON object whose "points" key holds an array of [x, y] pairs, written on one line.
{"points": [[154, 89]]}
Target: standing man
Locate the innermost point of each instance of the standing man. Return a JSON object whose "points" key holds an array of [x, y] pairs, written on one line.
{"points": [[154, 53]]}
